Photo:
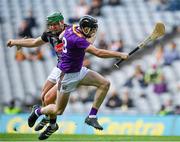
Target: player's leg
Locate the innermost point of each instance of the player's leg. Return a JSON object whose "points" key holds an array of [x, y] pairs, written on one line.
{"points": [[52, 110], [50, 82], [95, 79], [67, 84], [62, 95], [61, 103], [49, 98], [48, 94], [59, 107], [47, 86]]}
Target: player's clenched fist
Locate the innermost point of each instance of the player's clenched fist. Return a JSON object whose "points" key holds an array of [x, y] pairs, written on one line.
{"points": [[124, 56], [10, 43]]}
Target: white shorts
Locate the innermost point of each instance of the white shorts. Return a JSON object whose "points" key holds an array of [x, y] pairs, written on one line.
{"points": [[71, 80], [54, 75]]}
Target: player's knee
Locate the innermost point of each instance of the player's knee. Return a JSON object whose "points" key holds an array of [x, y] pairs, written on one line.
{"points": [[52, 109], [106, 84]]}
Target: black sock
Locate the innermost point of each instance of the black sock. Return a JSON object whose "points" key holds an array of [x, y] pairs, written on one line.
{"points": [[46, 117], [53, 122]]}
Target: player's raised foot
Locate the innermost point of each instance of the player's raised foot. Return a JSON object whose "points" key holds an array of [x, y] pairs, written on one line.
{"points": [[41, 124], [33, 117], [93, 122], [48, 132]]}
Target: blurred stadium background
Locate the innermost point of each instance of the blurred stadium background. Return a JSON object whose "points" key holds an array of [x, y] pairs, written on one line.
{"points": [[144, 98]]}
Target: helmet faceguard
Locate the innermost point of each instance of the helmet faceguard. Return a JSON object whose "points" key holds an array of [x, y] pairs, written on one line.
{"points": [[88, 25]]}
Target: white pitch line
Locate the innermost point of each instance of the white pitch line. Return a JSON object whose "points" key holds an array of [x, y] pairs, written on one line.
{"points": [[90, 141]]}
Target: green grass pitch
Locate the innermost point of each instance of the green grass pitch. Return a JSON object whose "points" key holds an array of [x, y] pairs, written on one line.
{"points": [[86, 138]]}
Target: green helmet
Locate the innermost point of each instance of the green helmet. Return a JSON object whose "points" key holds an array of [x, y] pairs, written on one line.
{"points": [[55, 18]]}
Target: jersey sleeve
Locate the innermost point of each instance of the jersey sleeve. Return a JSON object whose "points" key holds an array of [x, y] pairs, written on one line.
{"points": [[82, 43], [44, 37]]}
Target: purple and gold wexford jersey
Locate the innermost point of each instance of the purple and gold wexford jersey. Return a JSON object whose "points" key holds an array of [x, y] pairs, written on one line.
{"points": [[73, 51]]}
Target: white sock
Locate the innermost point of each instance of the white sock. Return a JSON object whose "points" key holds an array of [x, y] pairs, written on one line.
{"points": [[46, 117], [36, 113], [92, 116], [53, 125]]}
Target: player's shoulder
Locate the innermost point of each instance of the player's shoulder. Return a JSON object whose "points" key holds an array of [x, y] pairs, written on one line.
{"points": [[74, 34], [67, 26], [45, 36], [47, 33], [76, 30], [70, 32]]}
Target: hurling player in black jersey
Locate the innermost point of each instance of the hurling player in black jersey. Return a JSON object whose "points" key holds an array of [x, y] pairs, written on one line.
{"points": [[55, 26]]}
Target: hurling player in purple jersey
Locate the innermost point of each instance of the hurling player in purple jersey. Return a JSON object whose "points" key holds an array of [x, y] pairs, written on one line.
{"points": [[73, 74], [55, 25]]}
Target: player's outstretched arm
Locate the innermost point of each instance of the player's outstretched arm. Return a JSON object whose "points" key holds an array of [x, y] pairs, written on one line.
{"points": [[106, 53], [29, 42]]}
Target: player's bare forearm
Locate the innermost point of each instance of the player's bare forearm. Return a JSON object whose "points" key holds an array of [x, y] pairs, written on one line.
{"points": [[29, 43], [112, 54], [106, 53]]}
